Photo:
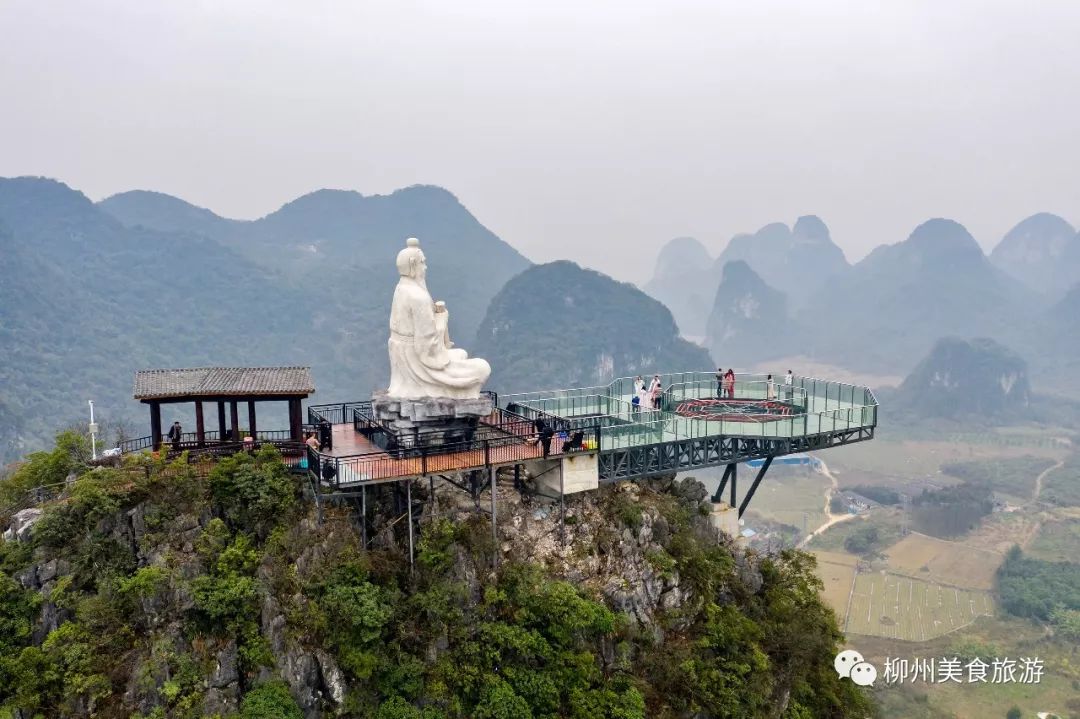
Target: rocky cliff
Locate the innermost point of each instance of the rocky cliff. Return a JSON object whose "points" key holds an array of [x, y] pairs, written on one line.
{"points": [[150, 591]]}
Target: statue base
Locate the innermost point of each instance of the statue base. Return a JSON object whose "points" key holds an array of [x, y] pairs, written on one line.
{"points": [[430, 422]]}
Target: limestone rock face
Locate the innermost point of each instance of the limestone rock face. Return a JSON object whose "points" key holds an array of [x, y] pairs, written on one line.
{"points": [[22, 524], [978, 378]]}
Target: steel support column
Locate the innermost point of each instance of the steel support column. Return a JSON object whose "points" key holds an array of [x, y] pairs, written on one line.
{"points": [[753, 487], [718, 496], [494, 523], [408, 501]]}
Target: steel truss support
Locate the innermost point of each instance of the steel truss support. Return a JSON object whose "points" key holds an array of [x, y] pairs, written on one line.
{"points": [[493, 483], [753, 487], [694, 453], [718, 496]]}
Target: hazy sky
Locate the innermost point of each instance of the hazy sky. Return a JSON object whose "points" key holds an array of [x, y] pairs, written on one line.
{"points": [[589, 130]]}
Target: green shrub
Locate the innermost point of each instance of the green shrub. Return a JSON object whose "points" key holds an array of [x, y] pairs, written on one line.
{"points": [[398, 708], [500, 702], [254, 493], [271, 700], [42, 469], [18, 610]]}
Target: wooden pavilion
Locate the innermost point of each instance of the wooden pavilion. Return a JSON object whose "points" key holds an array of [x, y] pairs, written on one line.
{"points": [[224, 385]]}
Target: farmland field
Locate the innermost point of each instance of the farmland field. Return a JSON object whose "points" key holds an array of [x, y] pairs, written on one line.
{"points": [[1057, 541], [887, 605], [836, 571], [935, 560]]}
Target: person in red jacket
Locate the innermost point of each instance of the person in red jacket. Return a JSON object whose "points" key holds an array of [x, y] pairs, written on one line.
{"points": [[729, 381]]}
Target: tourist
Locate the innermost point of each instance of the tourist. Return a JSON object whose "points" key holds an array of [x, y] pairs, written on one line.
{"points": [[770, 389], [546, 433], [729, 382], [789, 389], [639, 393], [655, 390], [175, 435], [643, 396], [719, 382], [312, 441]]}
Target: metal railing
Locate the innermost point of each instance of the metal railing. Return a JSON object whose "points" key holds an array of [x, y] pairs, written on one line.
{"points": [[190, 440], [819, 406], [520, 442], [342, 412]]}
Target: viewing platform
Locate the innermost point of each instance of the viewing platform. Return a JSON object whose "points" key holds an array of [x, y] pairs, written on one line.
{"points": [[693, 428]]}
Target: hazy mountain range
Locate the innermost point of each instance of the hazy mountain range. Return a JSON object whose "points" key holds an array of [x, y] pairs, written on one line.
{"points": [[884, 313], [90, 292]]}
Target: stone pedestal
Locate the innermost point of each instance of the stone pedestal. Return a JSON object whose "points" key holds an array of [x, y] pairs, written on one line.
{"points": [[430, 421], [725, 518]]}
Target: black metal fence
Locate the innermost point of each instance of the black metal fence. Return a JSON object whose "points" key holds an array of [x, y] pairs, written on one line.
{"points": [[517, 441], [211, 438]]}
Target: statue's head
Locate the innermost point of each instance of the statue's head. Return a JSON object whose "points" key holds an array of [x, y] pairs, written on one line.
{"points": [[411, 261]]}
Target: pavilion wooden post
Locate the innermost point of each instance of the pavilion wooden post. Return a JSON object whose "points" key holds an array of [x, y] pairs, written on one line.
{"points": [[200, 425], [235, 417], [221, 421], [155, 425], [295, 420], [251, 420]]}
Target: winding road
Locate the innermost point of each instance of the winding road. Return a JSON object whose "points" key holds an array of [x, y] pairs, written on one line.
{"points": [[830, 518]]}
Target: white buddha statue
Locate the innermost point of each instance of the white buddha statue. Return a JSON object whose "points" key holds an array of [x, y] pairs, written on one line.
{"points": [[423, 360]]}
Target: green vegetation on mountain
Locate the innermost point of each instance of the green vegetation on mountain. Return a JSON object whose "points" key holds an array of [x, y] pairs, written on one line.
{"points": [[559, 325], [89, 298], [148, 591], [967, 378]]}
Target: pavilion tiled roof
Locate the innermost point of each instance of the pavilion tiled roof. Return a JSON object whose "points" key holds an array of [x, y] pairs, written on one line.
{"points": [[223, 382]]}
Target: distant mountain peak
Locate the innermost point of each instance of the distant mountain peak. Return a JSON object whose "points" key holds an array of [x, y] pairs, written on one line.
{"points": [[746, 316], [1042, 251], [811, 229], [739, 270], [942, 237], [679, 256], [34, 188]]}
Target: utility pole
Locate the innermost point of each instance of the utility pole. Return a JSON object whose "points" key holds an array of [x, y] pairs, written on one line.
{"points": [[93, 431]]}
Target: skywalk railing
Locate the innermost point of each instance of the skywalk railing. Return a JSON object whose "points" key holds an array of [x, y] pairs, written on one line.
{"points": [[820, 406]]}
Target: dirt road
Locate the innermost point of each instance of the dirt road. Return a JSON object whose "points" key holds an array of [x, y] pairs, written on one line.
{"points": [[830, 518]]}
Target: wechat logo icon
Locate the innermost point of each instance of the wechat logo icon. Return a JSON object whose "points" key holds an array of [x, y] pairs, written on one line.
{"points": [[850, 664]]}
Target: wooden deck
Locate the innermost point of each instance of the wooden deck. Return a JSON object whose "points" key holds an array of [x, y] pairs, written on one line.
{"points": [[374, 465]]}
